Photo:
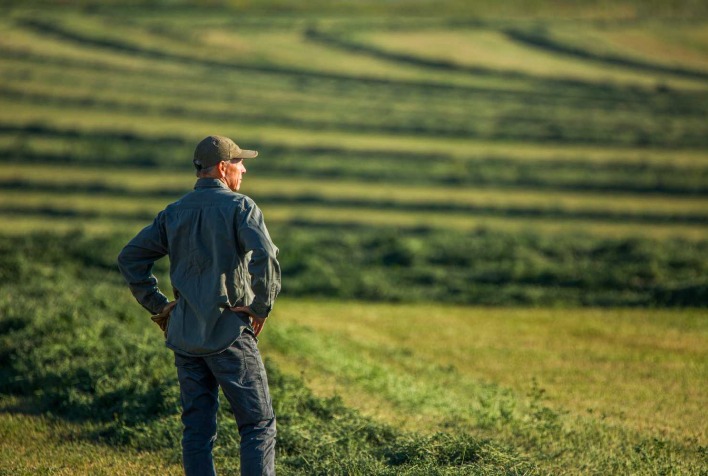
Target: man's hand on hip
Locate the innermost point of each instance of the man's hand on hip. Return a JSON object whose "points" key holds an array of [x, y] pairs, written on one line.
{"points": [[163, 318], [256, 322]]}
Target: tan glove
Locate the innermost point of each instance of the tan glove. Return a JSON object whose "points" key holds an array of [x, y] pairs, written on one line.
{"points": [[163, 318]]}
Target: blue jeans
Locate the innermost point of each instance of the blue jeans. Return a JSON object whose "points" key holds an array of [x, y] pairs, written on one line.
{"points": [[239, 371]]}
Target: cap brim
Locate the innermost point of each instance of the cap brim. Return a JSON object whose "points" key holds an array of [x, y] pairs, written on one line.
{"points": [[246, 154]]}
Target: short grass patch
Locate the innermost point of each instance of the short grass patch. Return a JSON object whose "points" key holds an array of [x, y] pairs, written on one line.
{"points": [[36, 444]]}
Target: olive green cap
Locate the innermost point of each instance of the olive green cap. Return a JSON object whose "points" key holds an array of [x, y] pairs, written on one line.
{"points": [[214, 149]]}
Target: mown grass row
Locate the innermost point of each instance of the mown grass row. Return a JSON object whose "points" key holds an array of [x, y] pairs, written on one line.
{"points": [[96, 201], [70, 183], [555, 123], [56, 134], [40, 144], [546, 42], [119, 194], [481, 266], [486, 267], [455, 12], [651, 41], [490, 51]]}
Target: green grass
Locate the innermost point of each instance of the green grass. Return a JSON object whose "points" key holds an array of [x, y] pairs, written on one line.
{"points": [[119, 181], [494, 50], [650, 43], [36, 444], [107, 193], [626, 367], [418, 389], [511, 154], [568, 111]]}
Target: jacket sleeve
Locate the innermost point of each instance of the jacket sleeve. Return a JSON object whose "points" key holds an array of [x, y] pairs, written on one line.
{"points": [[136, 260], [263, 266]]}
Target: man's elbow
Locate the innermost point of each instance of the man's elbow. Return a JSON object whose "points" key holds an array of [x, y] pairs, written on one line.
{"points": [[123, 261]]}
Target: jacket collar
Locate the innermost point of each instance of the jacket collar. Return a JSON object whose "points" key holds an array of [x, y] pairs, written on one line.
{"points": [[210, 183]]}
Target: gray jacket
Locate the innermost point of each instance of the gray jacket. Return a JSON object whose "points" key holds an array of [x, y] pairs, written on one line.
{"points": [[221, 256]]}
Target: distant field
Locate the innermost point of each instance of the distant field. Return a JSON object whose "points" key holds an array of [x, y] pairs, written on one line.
{"points": [[125, 194], [682, 48], [547, 161], [493, 50]]}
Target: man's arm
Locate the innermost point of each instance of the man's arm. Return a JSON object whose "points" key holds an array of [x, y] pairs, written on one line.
{"points": [[136, 260], [263, 267]]}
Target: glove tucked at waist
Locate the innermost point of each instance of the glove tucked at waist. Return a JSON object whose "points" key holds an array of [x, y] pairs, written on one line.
{"points": [[163, 318]]}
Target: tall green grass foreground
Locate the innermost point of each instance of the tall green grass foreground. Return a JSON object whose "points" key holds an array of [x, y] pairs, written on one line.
{"points": [[74, 345], [80, 354]]}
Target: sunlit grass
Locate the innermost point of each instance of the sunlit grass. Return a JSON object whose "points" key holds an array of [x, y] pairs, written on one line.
{"points": [[268, 92], [292, 49], [22, 224], [157, 125], [81, 203], [617, 378], [22, 41], [464, 221], [148, 181], [672, 45], [34, 444], [23, 207], [492, 49], [287, 49], [628, 367]]}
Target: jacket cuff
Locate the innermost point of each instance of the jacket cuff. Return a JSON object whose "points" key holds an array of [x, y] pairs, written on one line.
{"points": [[260, 310], [156, 303]]}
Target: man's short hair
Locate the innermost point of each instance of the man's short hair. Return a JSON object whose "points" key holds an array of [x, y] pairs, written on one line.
{"points": [[206, 171]]}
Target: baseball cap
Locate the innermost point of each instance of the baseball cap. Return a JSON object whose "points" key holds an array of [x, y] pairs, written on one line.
{"points": [[213, 149]]}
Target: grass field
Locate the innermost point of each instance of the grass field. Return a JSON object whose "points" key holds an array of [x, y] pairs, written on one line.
{"points": [[583, 382], [493, 222]]}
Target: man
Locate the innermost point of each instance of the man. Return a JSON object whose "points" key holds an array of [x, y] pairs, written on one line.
{"points": [[226, 277]]}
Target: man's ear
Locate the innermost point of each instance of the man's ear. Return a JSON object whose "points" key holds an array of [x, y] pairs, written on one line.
{"points": [[222, 169]]}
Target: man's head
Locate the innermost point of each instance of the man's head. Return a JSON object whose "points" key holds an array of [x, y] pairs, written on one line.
{"points": [[219, 157]]}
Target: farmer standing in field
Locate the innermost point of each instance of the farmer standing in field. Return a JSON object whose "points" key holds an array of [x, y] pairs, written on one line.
{"points": [[226, 277]]}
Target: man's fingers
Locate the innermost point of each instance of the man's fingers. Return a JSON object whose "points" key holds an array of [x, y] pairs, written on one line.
{"points": [[256, 322], [168, 307]]}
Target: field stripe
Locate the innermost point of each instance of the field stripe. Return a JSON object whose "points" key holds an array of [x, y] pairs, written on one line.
{"points": [[366, 198], [547, 43], [350, 45], [327, 166], [506, 127], [534, 123], [85, 210], [84, 40], [553, 87], [109, 181], [377, 146]]}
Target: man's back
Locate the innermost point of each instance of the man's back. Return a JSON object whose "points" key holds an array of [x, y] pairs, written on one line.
{"points": [[216, 240]]}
